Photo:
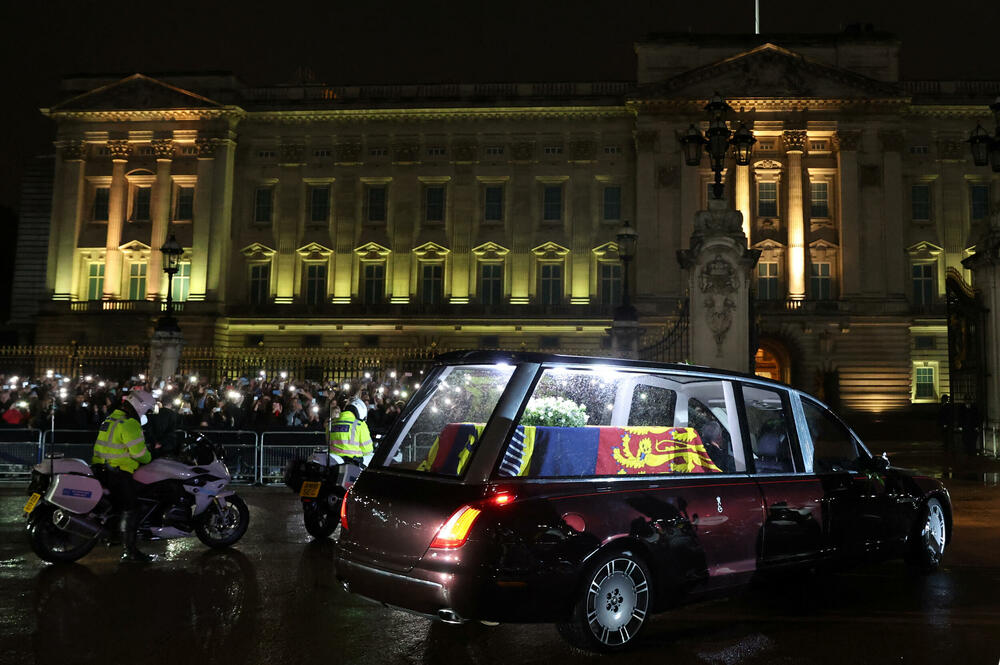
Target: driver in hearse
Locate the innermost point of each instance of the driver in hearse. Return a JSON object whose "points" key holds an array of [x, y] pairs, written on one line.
{"points": [[120, 449]]}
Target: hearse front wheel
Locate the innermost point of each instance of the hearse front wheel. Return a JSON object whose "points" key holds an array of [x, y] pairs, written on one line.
{"points": [[611, 605], [929, 536]]}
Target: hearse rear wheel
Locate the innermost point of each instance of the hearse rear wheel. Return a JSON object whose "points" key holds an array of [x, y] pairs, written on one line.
{"points": [[612, 604], [928, 538]]}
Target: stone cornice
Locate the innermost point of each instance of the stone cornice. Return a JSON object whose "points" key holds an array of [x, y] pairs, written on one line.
{"points": [[147, 115], [950, 110], [440, 114], [772, 104]]}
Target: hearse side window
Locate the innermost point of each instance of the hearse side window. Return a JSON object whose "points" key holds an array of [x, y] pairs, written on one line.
{"points": [[770, 425], [594, 422], [443, 430], [834, 448]]}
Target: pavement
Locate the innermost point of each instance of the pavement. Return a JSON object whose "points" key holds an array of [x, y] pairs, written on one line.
{"points": [[274, 599]]}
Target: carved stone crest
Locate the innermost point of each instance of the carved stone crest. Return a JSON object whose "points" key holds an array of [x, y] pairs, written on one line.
{"points": [[718, 276]]}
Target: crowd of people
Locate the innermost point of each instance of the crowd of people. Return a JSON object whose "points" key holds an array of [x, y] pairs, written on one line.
{"points": [[259, 403]]}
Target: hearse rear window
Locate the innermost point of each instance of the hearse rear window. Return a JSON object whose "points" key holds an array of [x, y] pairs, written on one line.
{"points": [[443, 431], [598, 421]]}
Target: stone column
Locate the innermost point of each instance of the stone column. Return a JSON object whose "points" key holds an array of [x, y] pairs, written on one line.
{"points": [[719, 267], [165, 352], [67, 213], [892, 187], [117, 199], [743, 197], [848, 142], [795, 140], [202, 222], [288, 222], [985, 267], [461, 211], [222, 217], [157, 286]]}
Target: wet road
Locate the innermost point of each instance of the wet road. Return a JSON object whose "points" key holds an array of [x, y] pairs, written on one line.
{"points": [[275, 600]]}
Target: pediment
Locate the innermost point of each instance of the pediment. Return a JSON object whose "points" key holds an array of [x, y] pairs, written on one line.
{"points": [[771, 72], [608, 250], [314, 252], [134, 250], [550, 251], [430, 251], [769, 244], [372, 251], [924, 251], [490, 251], [136, 93], [257, 252]]}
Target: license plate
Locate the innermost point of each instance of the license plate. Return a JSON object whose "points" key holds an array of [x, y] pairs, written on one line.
{"points": [[310, 489], [32, 502]]}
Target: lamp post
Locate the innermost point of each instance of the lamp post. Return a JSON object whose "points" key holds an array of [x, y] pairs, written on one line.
{"points": [[717, 141], [986, 148], [626, 238], [171, 252]]}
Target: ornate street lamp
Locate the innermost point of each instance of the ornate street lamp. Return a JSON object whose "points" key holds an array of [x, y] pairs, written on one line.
{"points": [[171, 252], [986, 148], [626, 238], [717, 139]]}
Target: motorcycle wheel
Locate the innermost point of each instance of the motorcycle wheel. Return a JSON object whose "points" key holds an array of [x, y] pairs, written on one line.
{"points": [[51, 543], [320, 521], [223, 528]]}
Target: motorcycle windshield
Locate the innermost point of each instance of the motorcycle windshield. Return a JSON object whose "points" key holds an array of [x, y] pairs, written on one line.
{"points": [[443, 428]]}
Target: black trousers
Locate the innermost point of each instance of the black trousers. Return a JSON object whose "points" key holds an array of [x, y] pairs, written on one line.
{"points": [[122, 486]]}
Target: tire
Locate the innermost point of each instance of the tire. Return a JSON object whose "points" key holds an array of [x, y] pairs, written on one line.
{"points": [[929, 536], [51, 543], [612, 604], [222, 529], [320, 520]]}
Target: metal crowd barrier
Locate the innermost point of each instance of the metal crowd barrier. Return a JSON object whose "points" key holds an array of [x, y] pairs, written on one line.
{"points": [[277, 448], [20, 449]]}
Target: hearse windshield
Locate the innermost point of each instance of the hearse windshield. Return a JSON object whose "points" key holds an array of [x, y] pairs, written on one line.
{"points": [[443, 430]]}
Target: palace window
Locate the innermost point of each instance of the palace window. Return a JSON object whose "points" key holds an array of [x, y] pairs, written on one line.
{"points": [[767, 280], [181, 286], [767, 199], [137, 281], [263, 205], [319, 204], [436, 151], [260, 283], [819, 197], [373, 283], [820, 284], [184, 204], [431, 283], [102, 204], [491, 283], [140, 204], [552, 150], [920, 203], [493, 203], [612, 150], [315, 290], [95, 281], [434, 203], [550, 285], [923, 278], [610, 286], [552, 203], [375, 203], [494, 151], [925, 382], [612, 203], [979, 202]]}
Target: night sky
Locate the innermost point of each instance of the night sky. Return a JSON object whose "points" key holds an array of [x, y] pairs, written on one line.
{"points": [[381, 41]]}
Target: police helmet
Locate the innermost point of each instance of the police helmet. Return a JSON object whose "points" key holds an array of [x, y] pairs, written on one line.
{"points": [[141, 401], [360, 407]]}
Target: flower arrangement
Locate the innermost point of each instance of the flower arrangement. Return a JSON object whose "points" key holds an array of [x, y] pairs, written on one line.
{"points": [[554, 412]]}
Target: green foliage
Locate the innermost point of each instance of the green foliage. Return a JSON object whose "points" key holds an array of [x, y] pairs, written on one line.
{"points": [[554, 412]]}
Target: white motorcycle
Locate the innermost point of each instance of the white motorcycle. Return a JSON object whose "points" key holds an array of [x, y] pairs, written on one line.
{"points": [[70, 511]]}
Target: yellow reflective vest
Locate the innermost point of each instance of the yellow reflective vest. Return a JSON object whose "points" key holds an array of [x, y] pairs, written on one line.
{"points": [[120, 443], [349, 437]]}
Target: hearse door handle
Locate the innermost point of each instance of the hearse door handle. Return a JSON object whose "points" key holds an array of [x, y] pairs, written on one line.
{"points": [[604, 488]]}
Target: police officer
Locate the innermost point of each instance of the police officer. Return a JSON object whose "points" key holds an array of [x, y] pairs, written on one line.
{"points": [[349, 435], [119, 450]]}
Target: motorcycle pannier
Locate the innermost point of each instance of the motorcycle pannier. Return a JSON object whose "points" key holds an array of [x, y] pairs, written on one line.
{"points": [[75, 493]]}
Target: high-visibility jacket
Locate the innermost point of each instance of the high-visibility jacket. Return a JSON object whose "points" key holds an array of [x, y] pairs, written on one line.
{"points": [[349, 437], [120, 443]]}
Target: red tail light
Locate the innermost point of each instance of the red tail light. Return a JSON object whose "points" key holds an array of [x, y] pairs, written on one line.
{"points": [[455, 531], [343, 512]]}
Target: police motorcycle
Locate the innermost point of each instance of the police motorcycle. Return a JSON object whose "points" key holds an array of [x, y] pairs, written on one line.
{"points": [[69, 510], [322, 480]]}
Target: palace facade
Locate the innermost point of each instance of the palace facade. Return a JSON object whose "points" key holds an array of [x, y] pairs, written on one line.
{"points": [[485, 215]]}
